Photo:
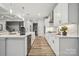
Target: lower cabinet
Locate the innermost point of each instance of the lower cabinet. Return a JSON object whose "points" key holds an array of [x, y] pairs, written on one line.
{"points": [[56, 46], [64, 46], [2, 46], [12, 47], [78, 46], [15, 47], [68, 46]]}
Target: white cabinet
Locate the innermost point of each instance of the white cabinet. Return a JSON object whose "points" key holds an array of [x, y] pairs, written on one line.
{"points": [[61, 14], [78, 46], [56, 46], [63, 46], [33, 37], [2, 46], [68, 46], [15, 47], [49, 38], [66, 13], [73, 13]]}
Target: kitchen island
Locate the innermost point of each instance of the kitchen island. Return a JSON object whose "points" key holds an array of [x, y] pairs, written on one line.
{"points": [[63, 45], [67, 45], [14, 45]]}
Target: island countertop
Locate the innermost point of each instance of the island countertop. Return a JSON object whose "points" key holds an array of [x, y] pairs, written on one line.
{"points": [[15, 35]]}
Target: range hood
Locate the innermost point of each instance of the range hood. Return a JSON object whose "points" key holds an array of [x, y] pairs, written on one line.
{"points": [[51, 17]]}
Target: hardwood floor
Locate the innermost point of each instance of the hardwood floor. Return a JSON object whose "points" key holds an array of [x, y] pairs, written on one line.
{"points": [[40, 47]]}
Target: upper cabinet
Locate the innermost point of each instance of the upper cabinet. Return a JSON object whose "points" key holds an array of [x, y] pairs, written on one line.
{"points": [[72, 13], [61, 14], [10, 17], [66, 13]]}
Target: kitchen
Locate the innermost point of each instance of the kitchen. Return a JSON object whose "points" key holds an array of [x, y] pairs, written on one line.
{"points": [[19, 29]]}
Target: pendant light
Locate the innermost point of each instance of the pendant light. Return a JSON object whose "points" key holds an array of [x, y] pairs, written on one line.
{"points": [[11, 11]]}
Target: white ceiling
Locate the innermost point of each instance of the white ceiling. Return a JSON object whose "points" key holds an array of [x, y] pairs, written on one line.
{"points": [[31, 9]]}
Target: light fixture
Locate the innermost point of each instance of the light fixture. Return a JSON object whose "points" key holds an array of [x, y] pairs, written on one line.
{"points": [[11, 8], [11, 11]]}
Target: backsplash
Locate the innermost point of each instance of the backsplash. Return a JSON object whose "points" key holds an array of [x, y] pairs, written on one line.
{"points": [[72, 29]]}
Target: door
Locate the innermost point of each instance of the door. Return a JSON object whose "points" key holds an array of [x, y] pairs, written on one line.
{"points": [[35, 28], [2, 46]]}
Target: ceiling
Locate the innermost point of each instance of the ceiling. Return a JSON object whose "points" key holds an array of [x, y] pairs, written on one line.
{"points": [[30, 9]]}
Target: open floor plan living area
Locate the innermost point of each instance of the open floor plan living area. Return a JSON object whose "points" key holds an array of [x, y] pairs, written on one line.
{"points": [[39, 29]]}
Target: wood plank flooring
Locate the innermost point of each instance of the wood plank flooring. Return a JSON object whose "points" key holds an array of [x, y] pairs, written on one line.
{"points": [[40, 47]]}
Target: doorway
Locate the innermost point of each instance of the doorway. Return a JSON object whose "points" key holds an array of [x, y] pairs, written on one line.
{"points": [[35, 28]]}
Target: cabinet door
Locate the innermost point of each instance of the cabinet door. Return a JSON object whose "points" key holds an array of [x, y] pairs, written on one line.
{"points": [[52, 41], [73, 13], [15, 47], [61, 14], [68, 46], [56, 46], [78, 46], [2, 47]]}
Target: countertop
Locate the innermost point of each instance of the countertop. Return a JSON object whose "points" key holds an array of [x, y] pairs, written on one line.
{"points": [[61, 36], [7, 35], [67, 36]]}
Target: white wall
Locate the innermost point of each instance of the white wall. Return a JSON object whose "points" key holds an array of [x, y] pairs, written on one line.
{"points": [[27, 24], [41, 27], [40, 22]]}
